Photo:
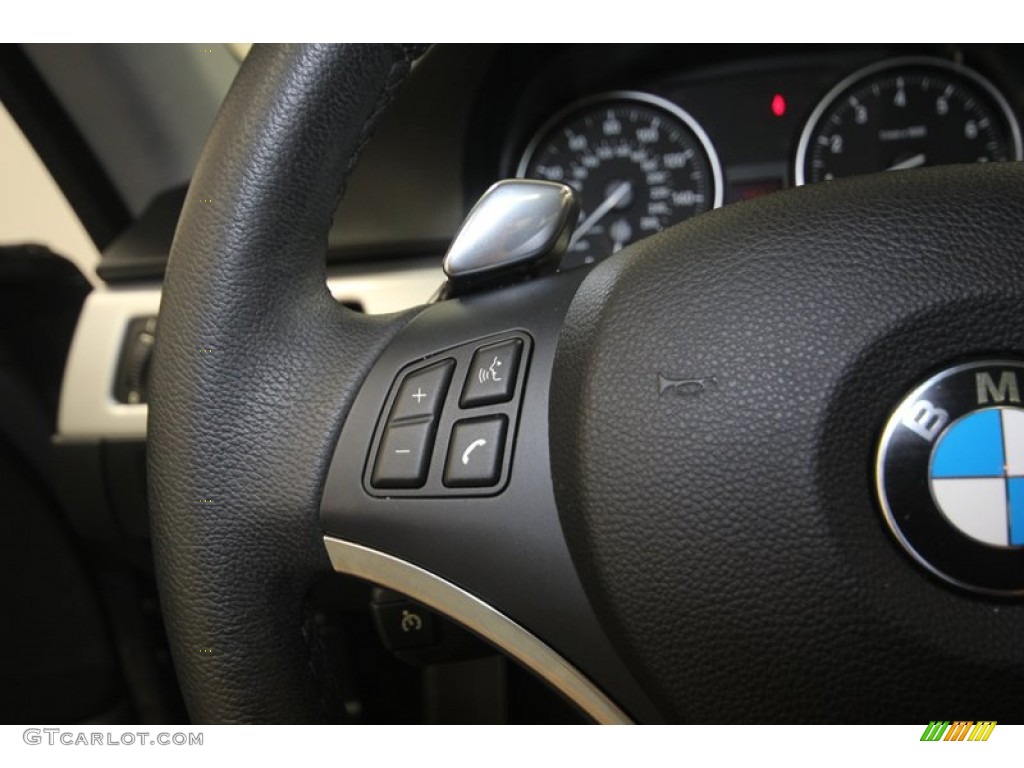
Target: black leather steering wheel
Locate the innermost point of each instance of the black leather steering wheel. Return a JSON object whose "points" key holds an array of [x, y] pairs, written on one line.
{"points": [[708, 553]]}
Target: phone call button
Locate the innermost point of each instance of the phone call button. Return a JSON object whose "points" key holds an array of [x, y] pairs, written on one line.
{"points": [[475, 452]]}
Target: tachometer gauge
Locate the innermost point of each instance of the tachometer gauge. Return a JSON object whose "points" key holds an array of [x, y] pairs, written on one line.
{"points": [[638, 162], [906, 113]]}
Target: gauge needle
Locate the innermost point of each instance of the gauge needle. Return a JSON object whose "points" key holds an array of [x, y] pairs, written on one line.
{"points": [[621, 233], [618, 195], [911, 162]]}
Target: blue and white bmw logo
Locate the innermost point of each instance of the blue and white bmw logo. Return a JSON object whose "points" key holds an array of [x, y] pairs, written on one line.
{"points": [[950, 475], [977, 475]]}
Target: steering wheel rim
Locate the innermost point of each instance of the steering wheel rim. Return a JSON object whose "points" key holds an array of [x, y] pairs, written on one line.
{"points": [[268, 398], [245, 314]]}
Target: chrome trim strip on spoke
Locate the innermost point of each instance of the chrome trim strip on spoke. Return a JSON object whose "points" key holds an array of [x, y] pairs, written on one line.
{"points": [[476, 615]]}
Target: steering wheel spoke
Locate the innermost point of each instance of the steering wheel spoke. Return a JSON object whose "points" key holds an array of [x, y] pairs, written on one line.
{"points": [[440, 488]]}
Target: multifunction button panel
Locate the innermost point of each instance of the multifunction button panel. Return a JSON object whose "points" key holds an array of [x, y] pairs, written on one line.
{"points": [[449, 422]]}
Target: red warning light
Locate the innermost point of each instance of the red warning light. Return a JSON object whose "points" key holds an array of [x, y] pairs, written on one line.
{"points": [[778, 105]]}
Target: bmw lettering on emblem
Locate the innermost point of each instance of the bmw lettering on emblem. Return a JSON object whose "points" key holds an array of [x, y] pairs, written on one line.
{"points": [[950, 475]]}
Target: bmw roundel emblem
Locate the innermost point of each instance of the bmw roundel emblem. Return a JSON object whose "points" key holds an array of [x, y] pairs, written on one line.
{"points": [[950, 475]]}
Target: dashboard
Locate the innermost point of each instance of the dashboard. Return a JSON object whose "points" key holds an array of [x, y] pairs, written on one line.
{"points": [[747, 120], [670, 146], [647, 135], [641, 161]]}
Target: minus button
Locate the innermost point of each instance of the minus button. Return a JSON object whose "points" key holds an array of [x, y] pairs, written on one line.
{"points": [[404, 456]]}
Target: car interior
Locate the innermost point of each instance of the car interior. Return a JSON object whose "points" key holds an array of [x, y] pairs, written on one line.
{"points": [[494, 383]]}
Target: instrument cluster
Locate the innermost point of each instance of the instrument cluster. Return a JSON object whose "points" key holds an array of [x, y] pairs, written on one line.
{"points": [[642, 160]]}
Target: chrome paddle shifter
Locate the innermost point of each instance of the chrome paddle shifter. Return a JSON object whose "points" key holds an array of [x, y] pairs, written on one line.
{"points": [[518, 228]]}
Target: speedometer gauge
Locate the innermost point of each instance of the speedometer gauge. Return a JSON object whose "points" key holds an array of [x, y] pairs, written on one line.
{"points": [[906, 113], [638, 162]]}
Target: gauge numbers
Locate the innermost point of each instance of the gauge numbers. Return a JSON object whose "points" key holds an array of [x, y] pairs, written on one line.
{"points": [[638, 162], [906, 113]]}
